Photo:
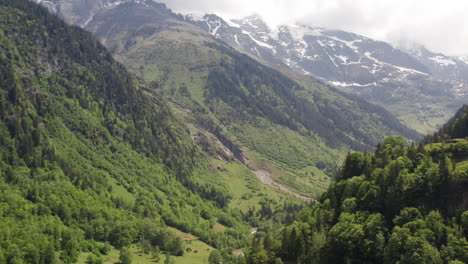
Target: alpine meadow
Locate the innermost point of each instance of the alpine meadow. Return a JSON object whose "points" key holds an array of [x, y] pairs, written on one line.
{"points": [[140, 131]]}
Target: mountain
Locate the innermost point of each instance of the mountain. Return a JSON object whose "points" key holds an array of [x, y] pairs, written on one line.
{"points": [[441, 66], [397, 205], [421, 88], [291, 127], [457, 127], [95, 166], [91, 159]]}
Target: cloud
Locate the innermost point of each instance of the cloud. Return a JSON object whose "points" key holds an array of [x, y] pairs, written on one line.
{"points": [[441, 26]]}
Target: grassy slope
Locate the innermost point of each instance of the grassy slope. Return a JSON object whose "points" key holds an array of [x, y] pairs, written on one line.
{"points": [[174, 54], [85, 147], [179, 61], [272, 142], [246, 190], [200, 257], [432, 117]]}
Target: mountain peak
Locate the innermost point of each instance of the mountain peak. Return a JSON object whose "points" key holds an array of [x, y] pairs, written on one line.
{"points": [[383, 73], [253, 22]]}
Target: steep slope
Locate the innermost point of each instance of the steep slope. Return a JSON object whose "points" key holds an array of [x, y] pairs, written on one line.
{"points": [[441, 66], [422, 89], [457, 127], [243, 104], [78, 12], [398, 205], [89, 156]]}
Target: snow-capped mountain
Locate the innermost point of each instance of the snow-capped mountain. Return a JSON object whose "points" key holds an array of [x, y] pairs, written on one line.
{"points": [[440, 65], [420, 87], [395, 78]]}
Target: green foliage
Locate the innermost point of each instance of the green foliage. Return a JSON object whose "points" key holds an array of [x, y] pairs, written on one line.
{"points": [[215, 257], [235, 102], [169, 259], [456, 127], [125, 256], [94, 259], [156, 254], [89, 157], [399, 205]]}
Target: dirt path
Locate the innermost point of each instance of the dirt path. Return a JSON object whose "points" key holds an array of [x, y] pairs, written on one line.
{"points": [[265, 177]]}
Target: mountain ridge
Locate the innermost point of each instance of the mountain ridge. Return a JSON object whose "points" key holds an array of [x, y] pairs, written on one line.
{"points": [[378, 72], [210, 82]]}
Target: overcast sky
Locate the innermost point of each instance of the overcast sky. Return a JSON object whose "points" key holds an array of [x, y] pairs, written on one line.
{"points": [[440, 25]]}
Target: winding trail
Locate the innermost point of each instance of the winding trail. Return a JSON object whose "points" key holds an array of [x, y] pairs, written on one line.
{"points": [[265, 177]]}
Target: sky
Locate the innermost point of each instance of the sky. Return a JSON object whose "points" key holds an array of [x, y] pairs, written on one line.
{"points": [[439, 25]]}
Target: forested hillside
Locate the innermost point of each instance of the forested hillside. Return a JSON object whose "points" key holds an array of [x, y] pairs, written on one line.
{"points": [[457, 127], [90, 158], [397, 205], [237, 107]]}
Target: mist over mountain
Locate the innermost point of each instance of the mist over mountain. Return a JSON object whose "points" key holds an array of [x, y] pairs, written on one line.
{"points": [[420, 87], [437, 25]]}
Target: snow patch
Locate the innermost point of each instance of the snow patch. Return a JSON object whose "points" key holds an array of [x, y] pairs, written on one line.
{"points": [[260, 43], [345, 84], [395, 92], [215, 30], [274, 33], [87, 21], [258, 53], [302, 49], [409, 70], [134, 1], [401, 69], [463, 59], [343, 58], [350, 44], [237, 39], [248, 23], [214, 26], [232, 24], [442, 61]]}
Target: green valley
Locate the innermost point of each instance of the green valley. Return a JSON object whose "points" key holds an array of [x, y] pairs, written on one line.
{"points": [[141, 138], [301, 128]]}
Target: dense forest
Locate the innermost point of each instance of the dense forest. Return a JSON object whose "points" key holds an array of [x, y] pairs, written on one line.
{"points": [[93, 160], [397, 205], [90, 159]]}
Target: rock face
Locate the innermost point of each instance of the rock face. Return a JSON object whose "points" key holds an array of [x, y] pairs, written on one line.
{"points": [[409, 82]]}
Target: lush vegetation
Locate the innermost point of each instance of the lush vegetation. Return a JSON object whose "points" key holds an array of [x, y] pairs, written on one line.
{"points": [[90, 159], [397, 205], [95, 167], [240, 103], [456, 127]]}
